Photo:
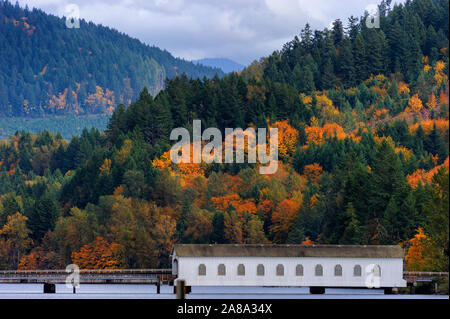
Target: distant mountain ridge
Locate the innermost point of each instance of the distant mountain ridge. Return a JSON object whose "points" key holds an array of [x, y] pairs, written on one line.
{"points": [[49, 69], [226, 65]]}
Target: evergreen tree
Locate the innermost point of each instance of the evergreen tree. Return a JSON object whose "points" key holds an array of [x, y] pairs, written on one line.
{"points": [[43, 216]]}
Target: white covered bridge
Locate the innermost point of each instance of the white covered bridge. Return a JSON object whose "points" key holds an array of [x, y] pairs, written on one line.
{"points": [[315, 266]]}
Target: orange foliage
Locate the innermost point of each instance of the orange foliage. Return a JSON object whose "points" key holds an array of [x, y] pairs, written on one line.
{"points": [[319, 134], [307, 241], [29, 262], [287, 138], [427, 125], [314, 134], [106, 167], [381, 92], [306, 99], [313, 171], [403, 88], [223, 202], [284, 218], [101, 255], [185, 169], [105, 99], [423, 176], [266, 206], [443, 98], [415, 103], [439, 74], [334, 130], [380, 114], [419, 255], [432, 102]]}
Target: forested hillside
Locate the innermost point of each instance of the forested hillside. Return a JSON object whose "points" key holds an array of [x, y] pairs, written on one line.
{"points": [[47, 68], [363, 148], [226, 65]]}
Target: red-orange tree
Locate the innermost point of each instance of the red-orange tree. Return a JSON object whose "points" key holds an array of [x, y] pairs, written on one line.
{"points": [[100, 255]]}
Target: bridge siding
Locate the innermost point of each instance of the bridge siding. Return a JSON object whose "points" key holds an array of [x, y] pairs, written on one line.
{"points": [[146, 276]]}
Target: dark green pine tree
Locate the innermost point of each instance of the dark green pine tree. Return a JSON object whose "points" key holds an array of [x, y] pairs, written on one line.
{"points": [[353, 234], [435, 145], [5, 184], [328, 79], [337, 32], [397, 40], [359, 56], [304, 79], [374, 51], [297, 234], [346, 66], [387, 179], [218, 235], [116, 124], [352, 28], [10, 207], [43, 216]]}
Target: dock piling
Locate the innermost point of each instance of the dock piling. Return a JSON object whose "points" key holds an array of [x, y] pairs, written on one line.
{"points": [[181, 289]]}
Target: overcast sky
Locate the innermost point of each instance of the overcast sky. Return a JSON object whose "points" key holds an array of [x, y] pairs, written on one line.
{"points": [[241, 30]]}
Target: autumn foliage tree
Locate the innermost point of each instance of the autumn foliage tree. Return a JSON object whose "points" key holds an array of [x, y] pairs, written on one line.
{"points": [[283, 219], [14, 239], [420, 253], [415, 103], [100, 255]]}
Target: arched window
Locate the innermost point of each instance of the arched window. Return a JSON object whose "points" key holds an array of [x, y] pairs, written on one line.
{"points": [[319, 270], [175, 267], [357, 271], [299, 270], [202, 270], [221, 270], [377, 271], [338, 271], [280, 270], [260, 270], [241, 270]]}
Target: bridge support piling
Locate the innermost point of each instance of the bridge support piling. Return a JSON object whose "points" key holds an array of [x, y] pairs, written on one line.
{"points": [[49, 288], [316, 290], [158, 286], [412, 288], [181, 289], [388, 290]]}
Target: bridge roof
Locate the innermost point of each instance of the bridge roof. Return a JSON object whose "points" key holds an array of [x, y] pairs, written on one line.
{"points": [[342, 251]]}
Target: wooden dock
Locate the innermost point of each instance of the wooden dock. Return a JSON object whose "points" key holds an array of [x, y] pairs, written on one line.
{"points": [[90, 276]]}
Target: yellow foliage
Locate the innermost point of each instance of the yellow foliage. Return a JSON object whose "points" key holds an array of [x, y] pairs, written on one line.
{"points": [[306, 99], [439, 74], [442, 126], [124, 151], [432, 102], [403, 88], [287, 139], [106, 167], [415, 103]]}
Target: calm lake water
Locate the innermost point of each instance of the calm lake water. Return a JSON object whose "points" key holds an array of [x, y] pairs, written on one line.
{"points": [[118, 291]]}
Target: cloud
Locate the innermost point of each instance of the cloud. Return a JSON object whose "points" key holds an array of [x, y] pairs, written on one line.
{"points": [[242, 30]]}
